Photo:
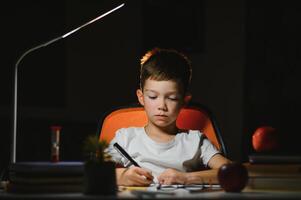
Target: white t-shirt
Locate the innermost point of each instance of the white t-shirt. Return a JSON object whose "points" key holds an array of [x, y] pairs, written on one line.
{"points": [[157, 157]]}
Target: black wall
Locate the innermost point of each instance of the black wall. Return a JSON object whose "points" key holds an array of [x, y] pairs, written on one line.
{"points": [[272, 83]]}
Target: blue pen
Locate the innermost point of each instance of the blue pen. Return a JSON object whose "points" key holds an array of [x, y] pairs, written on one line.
{"points": [[125, 154]]}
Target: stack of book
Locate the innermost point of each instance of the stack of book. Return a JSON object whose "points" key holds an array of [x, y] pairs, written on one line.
{"points": [[274, 172], [46, 177]]}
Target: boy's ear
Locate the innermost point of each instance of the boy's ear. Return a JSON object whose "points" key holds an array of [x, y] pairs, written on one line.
{"points": [[140, 97], [187, 98]]}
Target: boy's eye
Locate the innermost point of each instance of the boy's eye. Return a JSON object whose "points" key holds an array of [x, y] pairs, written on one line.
{"points": [[173, 98], [152, 97]]}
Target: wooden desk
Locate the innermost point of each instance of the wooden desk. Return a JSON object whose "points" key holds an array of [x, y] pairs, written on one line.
{"points": [[246, 194]]}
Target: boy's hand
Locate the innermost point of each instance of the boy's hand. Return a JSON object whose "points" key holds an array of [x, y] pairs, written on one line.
{"points": [[135, 176], [172, 176]]}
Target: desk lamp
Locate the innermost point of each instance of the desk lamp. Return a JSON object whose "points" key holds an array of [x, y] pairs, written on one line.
{"points": [[15, 166], [15, 112]]}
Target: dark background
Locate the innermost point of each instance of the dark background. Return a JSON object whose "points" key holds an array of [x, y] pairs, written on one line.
{"points": [[245, 56]]}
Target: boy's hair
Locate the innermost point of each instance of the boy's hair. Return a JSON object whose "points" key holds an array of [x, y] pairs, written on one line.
{"points": [[166, 64]]}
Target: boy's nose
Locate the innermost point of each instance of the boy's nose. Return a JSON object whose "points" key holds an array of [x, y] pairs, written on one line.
{"points": [[162, 105], [161, 108]]}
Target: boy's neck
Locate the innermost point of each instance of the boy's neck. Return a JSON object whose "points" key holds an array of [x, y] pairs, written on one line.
{"points": [[159, 134]]}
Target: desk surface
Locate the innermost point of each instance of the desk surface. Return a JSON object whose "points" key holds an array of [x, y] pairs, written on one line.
{"points": [[246, 194]]}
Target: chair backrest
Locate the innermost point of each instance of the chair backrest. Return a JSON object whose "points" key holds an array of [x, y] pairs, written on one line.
{"points": [[193, 117]]}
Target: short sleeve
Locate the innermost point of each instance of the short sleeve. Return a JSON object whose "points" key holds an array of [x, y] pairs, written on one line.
{"points": [[208, 151], [121, 137]]}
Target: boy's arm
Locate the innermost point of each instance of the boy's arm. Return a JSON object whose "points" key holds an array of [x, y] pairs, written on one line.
{"points": [[119, 173], [133, 176], [217, 161], [172, 176], [207, 176]]}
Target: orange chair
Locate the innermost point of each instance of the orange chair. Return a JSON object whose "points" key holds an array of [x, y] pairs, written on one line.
{"points": [[193, 116]]}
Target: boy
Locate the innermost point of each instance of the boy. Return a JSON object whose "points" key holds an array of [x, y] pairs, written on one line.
{"points": [[160, 148]]}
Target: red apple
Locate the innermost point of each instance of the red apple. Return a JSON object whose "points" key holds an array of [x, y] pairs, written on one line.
{"points": [[233, 177], [265, 139]]}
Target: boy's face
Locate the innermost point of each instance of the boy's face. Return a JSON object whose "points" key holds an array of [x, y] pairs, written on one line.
{"points": [[162, 102]]}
